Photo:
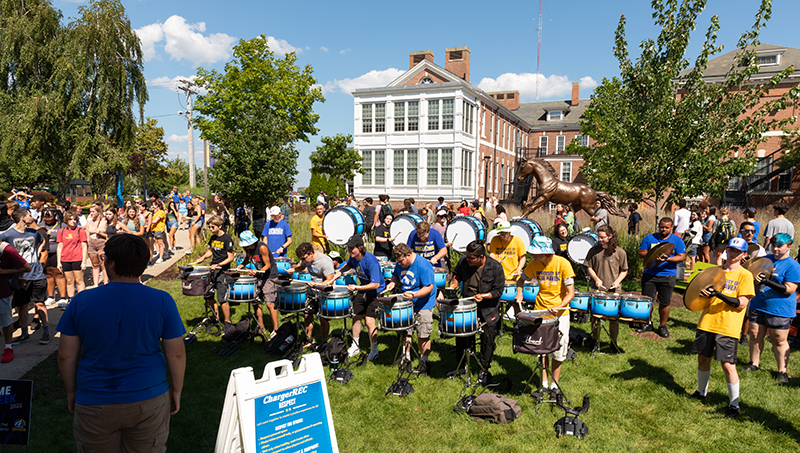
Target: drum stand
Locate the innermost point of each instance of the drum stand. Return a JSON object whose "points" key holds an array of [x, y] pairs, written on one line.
{"points": [[539, 394], [210, 324], [401, 387], [596, 348], [253, 332]]}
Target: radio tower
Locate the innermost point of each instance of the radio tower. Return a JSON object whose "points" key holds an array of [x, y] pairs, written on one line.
{"points": [[539, 51]]}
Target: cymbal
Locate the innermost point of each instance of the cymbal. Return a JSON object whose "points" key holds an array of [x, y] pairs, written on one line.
{"points": [[712, 276], [664, 248], [761, 265], [752, 250]]}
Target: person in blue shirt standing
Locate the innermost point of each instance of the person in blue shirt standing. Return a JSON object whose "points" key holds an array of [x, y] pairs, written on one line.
{"points": [[415, 276], [428, 244], [277, 233], [365, 302], [774, 308], [658, 282]]}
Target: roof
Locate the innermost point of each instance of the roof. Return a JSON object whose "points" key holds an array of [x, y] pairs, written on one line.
{"points": [[79, 182], [535, 113], [718, 67]]}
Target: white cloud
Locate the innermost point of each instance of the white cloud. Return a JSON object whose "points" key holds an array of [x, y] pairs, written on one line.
{"points": [[185, 41], [175, 138], [553, 87], [281, 46], [172, 84], [371, 79], [150, 35], [344, 51], [324, 49]]}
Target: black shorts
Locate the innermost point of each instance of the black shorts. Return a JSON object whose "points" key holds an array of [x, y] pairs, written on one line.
{"points": [[706, 342], [217, 283], [767, 320], [159, 234], [659, 286], [68, 266], [365, 304]]}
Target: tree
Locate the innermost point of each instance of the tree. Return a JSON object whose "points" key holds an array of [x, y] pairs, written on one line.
{"points": [[320, 183], [334, 159], [660, 126], [176, 172]]}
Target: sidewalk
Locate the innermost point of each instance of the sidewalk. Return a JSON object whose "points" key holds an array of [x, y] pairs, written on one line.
{"points": [[28, 355]]}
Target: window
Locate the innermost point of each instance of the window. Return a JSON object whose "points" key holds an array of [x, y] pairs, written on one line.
{"points": [[561, 142], [763, 167], [380, 167], [767, 60], [495, 179], [399, 167], [483, 123], [399, 116], [447, 114], [555, 115], [405, 167], [413, 115], [447, 166], [542, 146], [583, 140], [380, 117], [566, 171], [433, 115], [411, 167], [466, 168], [785, 181], [502, 179], [366, 118], [468, 112], [440, 163], [504, 141], [491, 128], [366, 163], [433, 167]]}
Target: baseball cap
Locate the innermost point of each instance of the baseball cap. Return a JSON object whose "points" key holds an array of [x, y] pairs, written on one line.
{"points": [[750, 210], [334, 254], [541, 245], [247, 238], [355, 241], [441, 212], [738, 244], [274, 210], [503, 226]]}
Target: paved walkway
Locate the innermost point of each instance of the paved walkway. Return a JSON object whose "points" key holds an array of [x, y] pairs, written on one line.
{"points": [[29, 354]]}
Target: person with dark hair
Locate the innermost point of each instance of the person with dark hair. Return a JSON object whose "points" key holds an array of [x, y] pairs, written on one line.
{"points": [[481, 277], [634, 218], [500, 214], [220, 250], [385, 208], [414, 209], [600, 216], [428, 243], [320, 267], [440, 203], [774, 308], [369, 215], [72, 251], [561, 239], [463, 208], [750, 216], [37, 202], [607, 264], [384, 243], [681, 222], [365, 301], [658, 281], [709, 227], [121, 343], [55, 278], [780, 224]]}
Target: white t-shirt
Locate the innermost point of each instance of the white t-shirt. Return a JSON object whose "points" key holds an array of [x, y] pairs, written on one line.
{"points": [[682, 217], [697, 226]]}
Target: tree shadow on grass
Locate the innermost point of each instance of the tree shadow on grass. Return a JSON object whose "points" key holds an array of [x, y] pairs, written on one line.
{"points": [[642, 369], [777, 423], [683, 347]]}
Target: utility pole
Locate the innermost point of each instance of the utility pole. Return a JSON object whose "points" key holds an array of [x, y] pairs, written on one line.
{"points": [[206, 163], [186, 86]]}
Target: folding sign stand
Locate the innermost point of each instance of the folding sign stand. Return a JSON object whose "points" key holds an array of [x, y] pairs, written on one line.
{"points": [[286, 410]]}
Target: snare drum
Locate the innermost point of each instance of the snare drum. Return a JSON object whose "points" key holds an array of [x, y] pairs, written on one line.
{"points": [[440, 275], [344, 280], [605, 305], [464, 229], [509, 292], [341, 223], [403, 226], [195, 283], [292, 298], [388, 272], [580, 302], [634, 307], [458, 321], [283, 264], [579, 246], [335, 305], [530, 291], [302, 276], [242, 289], [397, 316]]}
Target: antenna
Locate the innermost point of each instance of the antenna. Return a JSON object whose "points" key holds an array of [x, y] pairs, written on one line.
{"points": [[539, 51]]}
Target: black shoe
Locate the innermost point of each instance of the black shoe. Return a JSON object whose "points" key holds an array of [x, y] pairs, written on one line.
{"points": [[423, 369], [541, 394], [750, 367], [645, 328], [484, 378], [36, 324], [25, 338], [662, 331], [733, 411], [698, 396], [782, 377], [590, 344]]}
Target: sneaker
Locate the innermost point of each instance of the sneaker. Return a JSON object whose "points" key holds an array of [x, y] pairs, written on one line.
{"points": [[541, 394], [49, 301], [750, 367], [373, 354], [782, 377], [353, 351], [62, 304], [646, 328], [423, 369], [662, 331], [744, 341], [45, 339], [733, 411], [698, 396], [8, 355], [21, 339], [36, 324], [159, 261], [484, 378]]}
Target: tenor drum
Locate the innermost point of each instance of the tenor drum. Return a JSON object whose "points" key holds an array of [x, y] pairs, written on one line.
{"points": [[578, 247], [335, 305], [242, 289], [464, 229], [634, 307], [509, 292], [283, 264], [388, 271], [403, 226], [580, 302], [292, 298], [440, 275], [458, 321], [344, 280], [530, 291], [605, 305], [397, 316], [341, 223], [302, 276]]}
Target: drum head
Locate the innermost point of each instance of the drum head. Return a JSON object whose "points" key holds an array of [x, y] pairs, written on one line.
{"points": [[402, 227], [524, 231], [579, 246], [460, 232], [338, 225]]}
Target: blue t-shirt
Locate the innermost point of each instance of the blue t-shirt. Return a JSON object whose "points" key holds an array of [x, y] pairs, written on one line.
{"points": [[23, 204], [27, 245], [417, 276], [667, 268], [176, 197], [429, 248], [121, 361], [368, 271], [770, 301], [276, 234]]}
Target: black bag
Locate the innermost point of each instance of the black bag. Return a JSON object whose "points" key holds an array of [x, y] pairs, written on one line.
{"points": [[236, 332], [535, 339], [334, 351], [494, 408], [194, 285], [282, 335]]}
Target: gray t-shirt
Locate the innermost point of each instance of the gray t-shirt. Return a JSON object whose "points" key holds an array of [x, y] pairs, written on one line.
{"points": [[321, 267], [776, 226], [602, 215], [27, 244]]}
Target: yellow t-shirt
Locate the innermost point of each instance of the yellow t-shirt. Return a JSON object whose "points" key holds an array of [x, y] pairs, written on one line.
{"points": [[721, 318], [158, 221], [508, 254], [551, 280], [316, 225]]}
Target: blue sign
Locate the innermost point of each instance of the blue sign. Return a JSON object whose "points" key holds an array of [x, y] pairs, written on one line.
{"points": [[294, 420], [15, 411]]}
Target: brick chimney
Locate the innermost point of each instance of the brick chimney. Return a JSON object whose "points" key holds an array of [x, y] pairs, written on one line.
{"points": [[416, 57], [509, 99], [457, 61], [575, 90]]}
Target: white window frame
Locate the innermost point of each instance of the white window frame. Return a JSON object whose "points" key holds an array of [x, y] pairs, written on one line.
{"points": [[555, 115], [544, 139], [566, 166], [561, 144]]}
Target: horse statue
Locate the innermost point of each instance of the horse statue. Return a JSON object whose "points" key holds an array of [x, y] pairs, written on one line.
{"points": [[556, 191]]}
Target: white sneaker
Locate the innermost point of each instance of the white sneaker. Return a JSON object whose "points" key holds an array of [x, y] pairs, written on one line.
{"points": [[62, 304], [49, 301], [160, 260], [353, 351], [373, 354]]}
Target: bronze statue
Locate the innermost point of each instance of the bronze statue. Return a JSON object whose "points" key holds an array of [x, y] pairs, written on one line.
{"points": [[579, 196]]}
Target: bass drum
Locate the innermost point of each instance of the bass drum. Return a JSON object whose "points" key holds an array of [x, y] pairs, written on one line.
{"points": [[341, 223], [403, 226], [579, 246], [462, 230], [525, 229]]}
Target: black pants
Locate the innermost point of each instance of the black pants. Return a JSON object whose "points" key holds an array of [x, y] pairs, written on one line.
{"points": [[487, 343]]}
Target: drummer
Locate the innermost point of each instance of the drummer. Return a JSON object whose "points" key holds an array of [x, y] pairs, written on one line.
{"points": [[220, 250], [428, 243], [384, 242], [415, 276], [258, 255], [509, 251], [658, 282], [720, 323], [607, 264], [556, 290], [482, 278], [365, 302], [320, 267]]}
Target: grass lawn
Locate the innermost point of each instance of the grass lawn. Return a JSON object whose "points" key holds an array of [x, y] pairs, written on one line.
{"points": [[639, 400]]}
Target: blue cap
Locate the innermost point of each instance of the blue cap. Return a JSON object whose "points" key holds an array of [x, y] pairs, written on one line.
{"points": [[247, 238], [738, 244], [541, 245]]}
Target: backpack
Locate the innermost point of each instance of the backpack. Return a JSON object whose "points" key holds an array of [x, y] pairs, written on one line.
{"points": [[283, 335], [386, 209], [333, 351], [494, 408], [237, 332], [725, 232]]}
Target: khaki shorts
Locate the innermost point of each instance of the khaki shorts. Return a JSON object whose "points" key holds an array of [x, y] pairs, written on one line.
{"points": [[424, 323], [96, 245], [560, 354]]}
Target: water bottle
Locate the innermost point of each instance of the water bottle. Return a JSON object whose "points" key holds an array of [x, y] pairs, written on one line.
{"points": [[286, 343]]}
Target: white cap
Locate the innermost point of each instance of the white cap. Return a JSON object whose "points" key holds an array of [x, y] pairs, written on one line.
{"points": [[274, 210]]}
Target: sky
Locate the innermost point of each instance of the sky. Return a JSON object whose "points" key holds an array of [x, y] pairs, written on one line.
{"points": [[361, 44]]}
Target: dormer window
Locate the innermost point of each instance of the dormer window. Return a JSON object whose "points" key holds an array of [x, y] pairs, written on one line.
{"points": [[555, 115], [767, 60]]}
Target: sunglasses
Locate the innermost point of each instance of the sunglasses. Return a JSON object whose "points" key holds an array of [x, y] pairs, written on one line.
{"points": [[747, 231]]}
